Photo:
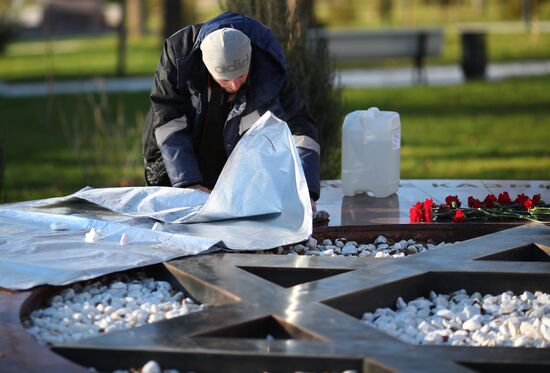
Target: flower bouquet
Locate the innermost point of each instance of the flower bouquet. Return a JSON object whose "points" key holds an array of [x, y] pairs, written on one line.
{"points": [[491, 208]]}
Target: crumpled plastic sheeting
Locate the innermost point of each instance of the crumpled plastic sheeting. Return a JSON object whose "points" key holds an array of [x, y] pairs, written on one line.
{"points": [[165, 204], [261, 201], [32, 254]]}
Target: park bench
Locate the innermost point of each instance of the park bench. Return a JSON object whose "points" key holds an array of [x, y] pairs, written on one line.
{"points": [[417, 44]]}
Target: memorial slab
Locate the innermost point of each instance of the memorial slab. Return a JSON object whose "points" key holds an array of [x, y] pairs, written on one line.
{"points": [[362, 209], [280, 313]]}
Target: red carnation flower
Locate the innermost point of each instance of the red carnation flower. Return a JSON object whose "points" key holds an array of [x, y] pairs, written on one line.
{"points": [[427, 207], [520, 199], [522, 207], [452, 201], [490, 200], [415, 213], [459, 216], [504, 198], [474, 202]]}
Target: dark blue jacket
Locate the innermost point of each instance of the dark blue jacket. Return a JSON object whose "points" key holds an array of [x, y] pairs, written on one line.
{"points": [[179, 99]]}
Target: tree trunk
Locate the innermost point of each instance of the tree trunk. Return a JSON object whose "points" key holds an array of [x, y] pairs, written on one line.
{"points": [[122, 41], [172, 17], [135, 10]]}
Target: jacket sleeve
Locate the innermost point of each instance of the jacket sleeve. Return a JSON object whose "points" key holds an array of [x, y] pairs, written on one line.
{"points": [[171, 110], [304, 131]]}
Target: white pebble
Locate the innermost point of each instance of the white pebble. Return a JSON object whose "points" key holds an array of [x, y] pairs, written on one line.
{"points": [[345, 247], [349, 250], [446, 314], [328, 252], [380, 239], [457, 320], [400, 304], [124, 239], [92, 236], [299, 249], [473, 323], [311, 242], [67, 293], [86, 311], [59, 226]]}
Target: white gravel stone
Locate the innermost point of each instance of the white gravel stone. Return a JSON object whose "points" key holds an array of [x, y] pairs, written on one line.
{"points": [[311, 242], [124, 239], [446, 314], [96, 308], [55, 226], [349, 249], [299, 249], [473, 323], [157, 227], [92, 236], [345, 247], [461, 320], [328, 252], [400, 304], [380, 239], [151, 367]]}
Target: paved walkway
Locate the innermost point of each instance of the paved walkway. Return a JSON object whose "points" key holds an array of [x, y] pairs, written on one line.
{"points": [[438, 75], [394, 77]]}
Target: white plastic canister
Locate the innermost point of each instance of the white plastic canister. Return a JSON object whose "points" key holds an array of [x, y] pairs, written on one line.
{"points": [[371, 145]]}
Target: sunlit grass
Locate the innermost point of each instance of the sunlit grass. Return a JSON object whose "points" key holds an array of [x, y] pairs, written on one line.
{"points": [[482, 130], [56, 145], [81, 57]]}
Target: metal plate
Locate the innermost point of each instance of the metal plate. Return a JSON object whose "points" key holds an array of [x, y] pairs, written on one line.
{"points": [[310, 306]]}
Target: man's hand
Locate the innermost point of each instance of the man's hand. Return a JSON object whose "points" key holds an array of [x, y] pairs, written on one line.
{"points": [[313, 205], [199, 187]]}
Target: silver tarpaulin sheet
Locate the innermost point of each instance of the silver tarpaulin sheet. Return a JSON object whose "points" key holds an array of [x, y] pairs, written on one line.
{"points": [[261, 201]]}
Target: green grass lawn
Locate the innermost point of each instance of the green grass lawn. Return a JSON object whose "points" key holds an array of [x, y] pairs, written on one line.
{"points": [[78, 57], [478, 130], [56, 145], [484, 130]]}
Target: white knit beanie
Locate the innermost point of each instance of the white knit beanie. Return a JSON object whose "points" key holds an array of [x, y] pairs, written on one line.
{"points": [[226, 53]]}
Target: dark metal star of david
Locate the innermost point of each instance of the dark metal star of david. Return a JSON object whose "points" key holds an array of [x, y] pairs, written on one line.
{"points": [[285, 314]]}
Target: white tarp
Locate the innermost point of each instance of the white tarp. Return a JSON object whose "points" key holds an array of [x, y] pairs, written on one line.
{"points": [[261, 201]]}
